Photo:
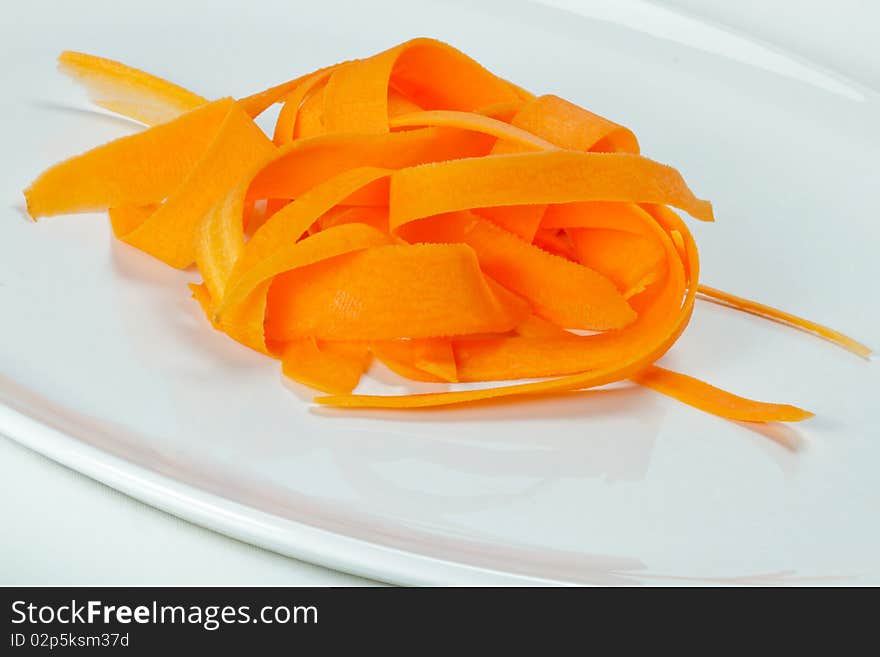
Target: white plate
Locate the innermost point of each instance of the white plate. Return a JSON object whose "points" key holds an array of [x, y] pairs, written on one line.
{"points": [[107, 366]]}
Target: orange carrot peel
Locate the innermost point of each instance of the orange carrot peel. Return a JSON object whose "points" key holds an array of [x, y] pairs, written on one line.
{"points": [[414, 207]]}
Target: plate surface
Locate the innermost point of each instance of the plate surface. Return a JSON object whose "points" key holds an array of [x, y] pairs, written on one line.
{"points": [[107, 366]]}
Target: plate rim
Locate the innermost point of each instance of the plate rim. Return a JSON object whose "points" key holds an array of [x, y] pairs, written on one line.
{"points": [[288, 537]]}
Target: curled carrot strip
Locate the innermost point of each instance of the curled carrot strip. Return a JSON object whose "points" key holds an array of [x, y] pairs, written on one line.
{"points": [[415, 207], [326, 366], [429, 359], [243, 311], [714, 400], [631, 262], [572, 127], [285, 125], [139, 169], [126, 90], [170, 232], [762, 310], [474, 122], [437, 290], [544, 177]]}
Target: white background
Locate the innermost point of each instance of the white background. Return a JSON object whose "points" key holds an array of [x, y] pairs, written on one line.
{"points": [[42, 505]]}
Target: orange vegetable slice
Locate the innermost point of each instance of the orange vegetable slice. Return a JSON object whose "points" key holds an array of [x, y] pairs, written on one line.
{"points": [[427, 359], [429, 290], [631, 262], [243, 311], [768, 312], [138, 169], [713, 400], [543, 177], [169, 233], [128, 91], [572, 127], [285, 125], [305, 163], [325, 366], [687, 389]]}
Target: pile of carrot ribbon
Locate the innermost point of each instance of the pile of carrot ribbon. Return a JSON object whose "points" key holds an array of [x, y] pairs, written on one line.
{"points": [[414, 208]]}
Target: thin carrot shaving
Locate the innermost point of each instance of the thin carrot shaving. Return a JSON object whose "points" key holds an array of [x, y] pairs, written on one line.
{"points": [[416, 208], [326, 366], [716, 401], [126, 90], [768, 312], [430, 359]]}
